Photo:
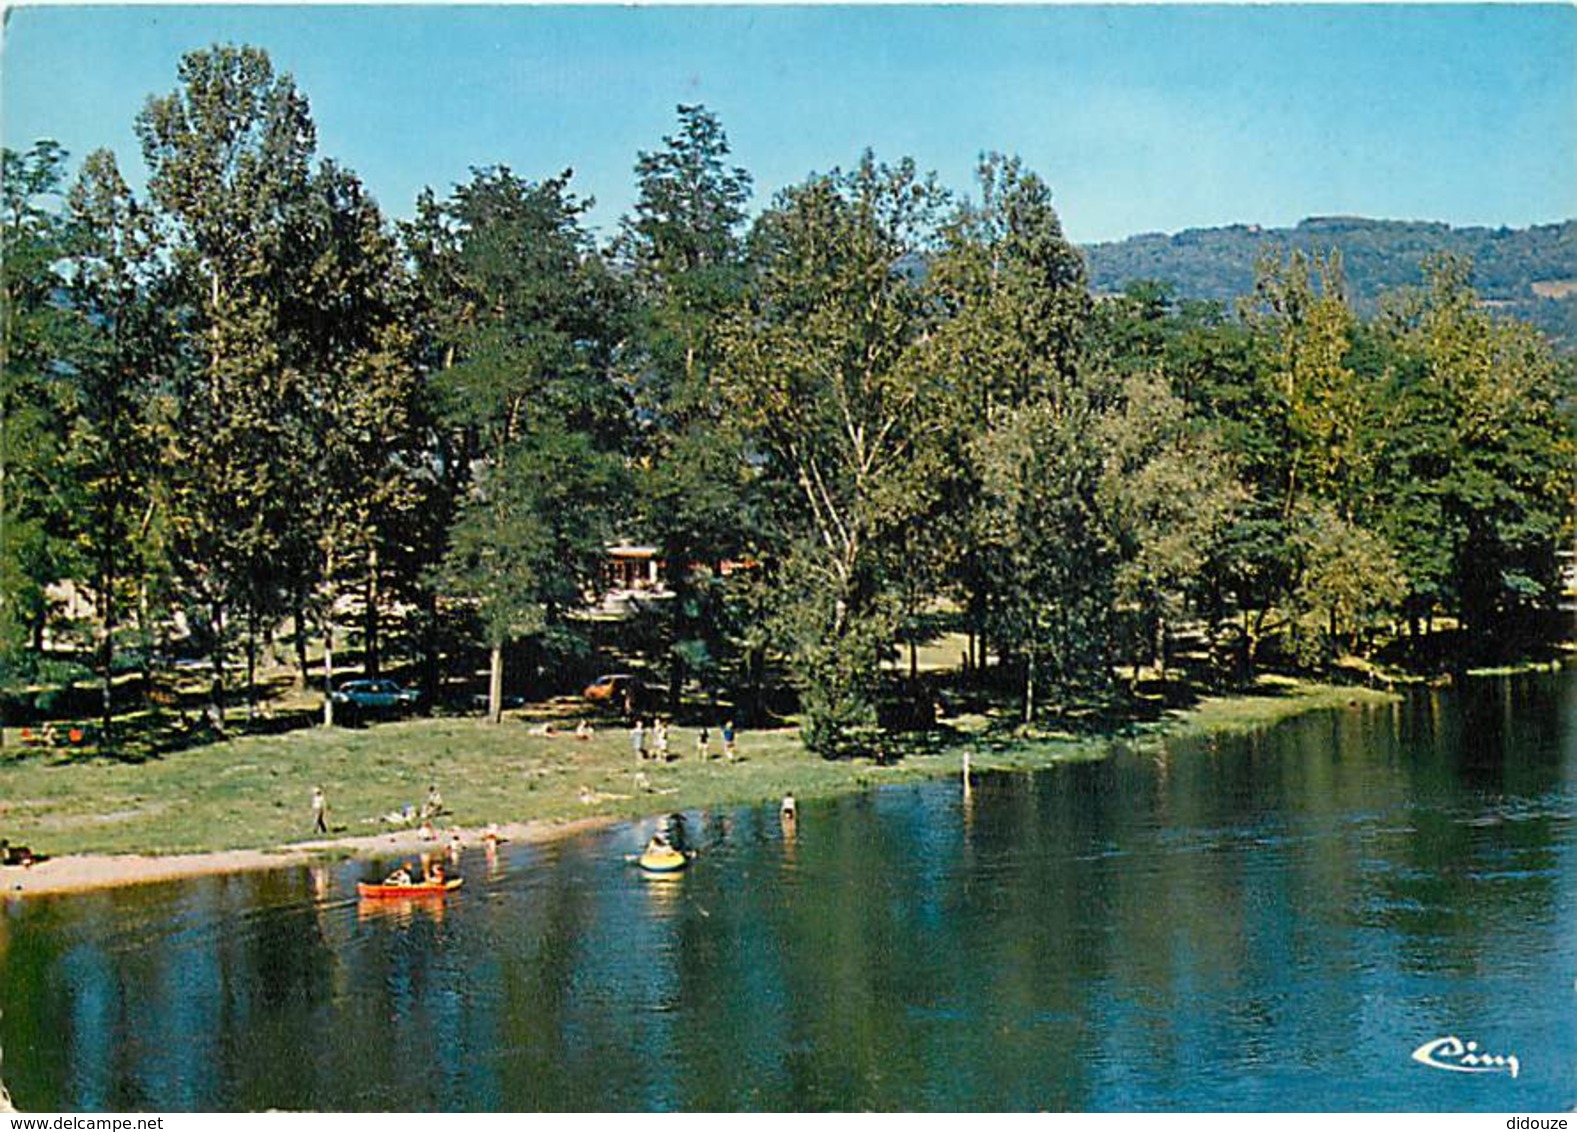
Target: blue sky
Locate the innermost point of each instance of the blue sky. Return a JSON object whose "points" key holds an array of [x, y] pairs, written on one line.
{"points": [[1140, 118]]}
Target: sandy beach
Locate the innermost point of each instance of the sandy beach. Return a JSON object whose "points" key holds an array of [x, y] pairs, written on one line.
{"points": [[86, 872]]}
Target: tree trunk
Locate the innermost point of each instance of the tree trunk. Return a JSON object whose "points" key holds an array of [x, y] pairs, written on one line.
{"points": [[216, 692], [301, 641], [1160, 650], [1029, 687], [328, 666], [251, 661], [145, 635], [107, 693], [370, 617], [495, 684], [431, 661], [107, 658], [327, 628], [676, 676]]}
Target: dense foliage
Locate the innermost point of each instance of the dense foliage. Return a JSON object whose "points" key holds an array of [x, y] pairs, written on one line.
{"points": [[244, 405]]}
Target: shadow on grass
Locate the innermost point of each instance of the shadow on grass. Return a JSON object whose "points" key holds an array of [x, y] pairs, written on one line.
{"points": [[1123, 710], [151, 736]]}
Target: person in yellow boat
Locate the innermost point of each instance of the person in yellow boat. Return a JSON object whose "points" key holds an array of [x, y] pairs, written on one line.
{"points": [[400, 877], [659, 844]]}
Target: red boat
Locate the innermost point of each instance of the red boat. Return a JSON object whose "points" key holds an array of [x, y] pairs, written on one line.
{"points": [[406, 891]]}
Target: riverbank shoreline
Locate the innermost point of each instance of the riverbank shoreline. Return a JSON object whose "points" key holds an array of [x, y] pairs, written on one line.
{"points": [[88, 872], [534, 788]]}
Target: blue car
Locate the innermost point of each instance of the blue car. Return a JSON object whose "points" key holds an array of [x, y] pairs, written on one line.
{"points": [[375, 697]]}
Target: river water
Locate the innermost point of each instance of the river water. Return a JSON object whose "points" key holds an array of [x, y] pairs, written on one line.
{"points": [[1274, 921]]}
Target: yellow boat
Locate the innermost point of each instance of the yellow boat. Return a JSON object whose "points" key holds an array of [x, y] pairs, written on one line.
{"points": [[664, 859]]}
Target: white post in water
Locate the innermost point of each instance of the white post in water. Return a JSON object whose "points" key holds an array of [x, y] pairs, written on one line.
{"points": [[966, 772]]}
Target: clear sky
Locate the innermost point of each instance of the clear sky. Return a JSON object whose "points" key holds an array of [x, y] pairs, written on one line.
{"points": [[1140, 118]]}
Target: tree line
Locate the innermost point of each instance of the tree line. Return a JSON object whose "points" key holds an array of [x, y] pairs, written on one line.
{"points": [[244, 398]]}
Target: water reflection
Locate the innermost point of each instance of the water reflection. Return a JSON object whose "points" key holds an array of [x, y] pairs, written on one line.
{"points": [[1271, 921]]}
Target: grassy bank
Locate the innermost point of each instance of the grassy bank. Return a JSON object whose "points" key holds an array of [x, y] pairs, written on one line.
{"points": [[255, 791]]}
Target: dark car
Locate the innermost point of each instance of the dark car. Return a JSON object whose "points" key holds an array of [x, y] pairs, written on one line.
{"points": [[374, 697]]}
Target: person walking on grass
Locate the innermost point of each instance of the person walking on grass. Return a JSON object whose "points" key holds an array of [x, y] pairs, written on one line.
{"points": [[703, 744], [320, 807], [729, 749], [638, 740]]}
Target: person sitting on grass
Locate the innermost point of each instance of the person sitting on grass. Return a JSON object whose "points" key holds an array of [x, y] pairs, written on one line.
{"points": [[583, 731]]}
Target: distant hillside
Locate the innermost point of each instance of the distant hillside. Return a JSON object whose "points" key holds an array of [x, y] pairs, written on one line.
{"points": [[1527, 272]]}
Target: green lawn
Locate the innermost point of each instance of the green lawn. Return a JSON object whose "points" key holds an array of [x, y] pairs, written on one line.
{"points": [[255, 791]]}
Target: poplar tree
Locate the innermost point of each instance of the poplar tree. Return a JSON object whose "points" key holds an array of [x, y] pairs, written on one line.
{"points": [[229, 157], [112, 374]]}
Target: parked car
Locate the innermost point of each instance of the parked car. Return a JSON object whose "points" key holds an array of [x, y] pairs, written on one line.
{"points": [[614, 689], [375, 696], [481, 701]]}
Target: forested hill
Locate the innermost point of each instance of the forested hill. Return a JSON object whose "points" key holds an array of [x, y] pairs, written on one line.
{"points": [[1528, 272]]}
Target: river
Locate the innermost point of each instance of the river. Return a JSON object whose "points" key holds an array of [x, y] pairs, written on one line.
{"points": [[1269, 921]]}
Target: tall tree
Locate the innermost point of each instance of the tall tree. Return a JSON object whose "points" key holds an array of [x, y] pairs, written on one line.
{"points": [[1007, 352], [529, 387], [819, 369], [1167, 492], [684, 247], [356, 442], [1050, 609], [119, 358], [1322, 401], [229, 157], [1297, 421], [33, 326]]}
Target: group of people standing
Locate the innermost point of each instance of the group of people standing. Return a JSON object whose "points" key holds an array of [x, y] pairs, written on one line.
{"points": [[655, 742]]}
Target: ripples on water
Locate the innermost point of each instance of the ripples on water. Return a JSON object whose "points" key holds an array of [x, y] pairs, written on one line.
{"points": [[1271, 922]]}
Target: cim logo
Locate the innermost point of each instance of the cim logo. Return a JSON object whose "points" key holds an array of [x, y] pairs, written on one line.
{"points": [[1455, 1056]]}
